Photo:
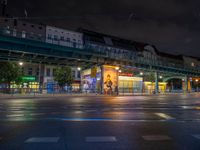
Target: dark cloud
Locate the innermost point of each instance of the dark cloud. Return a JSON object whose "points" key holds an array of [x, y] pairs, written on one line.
{"points": [[172, 25]]}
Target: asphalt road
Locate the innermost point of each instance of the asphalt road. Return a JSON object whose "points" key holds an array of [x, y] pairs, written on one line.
{"points": [[101, 123]]}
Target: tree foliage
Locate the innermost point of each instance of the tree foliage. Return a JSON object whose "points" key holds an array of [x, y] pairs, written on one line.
{"points": [[150, 76], [10, 72], [63, 75]]}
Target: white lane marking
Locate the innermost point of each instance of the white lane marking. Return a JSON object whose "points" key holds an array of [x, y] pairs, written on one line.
{"points": [[42, 140], [197, 136], [15, 115], [101, 139], [156, 137], [165, 116]]}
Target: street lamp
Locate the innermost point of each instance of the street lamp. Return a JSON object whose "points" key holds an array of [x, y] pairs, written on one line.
{"points": [[21, 63], [197, 80], [160, 77], [141, 73], [79, 68], [120, 71], [116, 68]]}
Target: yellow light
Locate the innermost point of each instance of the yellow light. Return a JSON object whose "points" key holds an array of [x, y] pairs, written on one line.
{"points": [[120, 71], [116, 68], [196, 80]]}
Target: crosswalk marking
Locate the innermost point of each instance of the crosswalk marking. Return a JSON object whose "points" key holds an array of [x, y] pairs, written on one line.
{"points": [[156, 137], [42, 140], [197, 136], [101, 139], [165, 116]]}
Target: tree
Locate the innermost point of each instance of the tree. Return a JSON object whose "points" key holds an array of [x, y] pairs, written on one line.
{"points": [[10, 72], [63, 75], [150, 76]]}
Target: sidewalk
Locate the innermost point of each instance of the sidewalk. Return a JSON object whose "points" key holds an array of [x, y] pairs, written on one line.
{"points": [[36, 95]]}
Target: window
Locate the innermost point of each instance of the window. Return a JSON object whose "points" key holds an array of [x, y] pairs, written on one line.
{"points": [[31, 35], [68, 39], [48, 72], [78, 74], [40, 28], [8, 30], [55, 37], [23, 34], [30, 71], [6, 20], [62, 38], [32, 26], [54, 71], [24, 24], [15, 22], [192, 64], [74, 74], [14, 32], [37, 71], [49, 36]]}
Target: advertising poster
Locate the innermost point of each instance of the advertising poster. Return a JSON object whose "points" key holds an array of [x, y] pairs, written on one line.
{"points": [[110, 79]]}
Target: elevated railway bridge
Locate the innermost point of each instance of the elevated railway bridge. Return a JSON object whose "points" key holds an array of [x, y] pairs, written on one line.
{"points": [[22, 49]]}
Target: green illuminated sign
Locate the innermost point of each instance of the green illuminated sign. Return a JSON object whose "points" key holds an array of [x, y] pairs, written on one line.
{"points": [[28, 78]]}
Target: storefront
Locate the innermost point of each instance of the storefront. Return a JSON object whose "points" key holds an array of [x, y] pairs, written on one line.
{"points": [[149, 87], [130, 84], [91, 80], [28, 85], [108, 80]]}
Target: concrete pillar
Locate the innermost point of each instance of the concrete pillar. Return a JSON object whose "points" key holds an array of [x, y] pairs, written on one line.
{"points": [[156, 83], [102, 84], [186, 84]]}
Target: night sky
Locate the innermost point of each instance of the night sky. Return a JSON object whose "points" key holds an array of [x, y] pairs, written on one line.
{"points": [[172, 25]]}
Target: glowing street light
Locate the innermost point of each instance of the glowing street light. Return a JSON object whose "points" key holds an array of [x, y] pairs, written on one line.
{"points": [[116, 68], [120, 71], [141, 73], [160, 77], [197, 80], [21, 63], [79, 68]]}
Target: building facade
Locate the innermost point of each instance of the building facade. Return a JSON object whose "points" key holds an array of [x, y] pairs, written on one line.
{"points": [[22, 29], [64, 37]]}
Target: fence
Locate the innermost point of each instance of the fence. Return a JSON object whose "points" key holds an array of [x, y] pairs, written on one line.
{"points": [[57, 91]]}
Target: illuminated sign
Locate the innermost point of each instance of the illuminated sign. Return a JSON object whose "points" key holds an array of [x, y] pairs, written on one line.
{"points": [[94, 72], [28, 78], [125, 74]]}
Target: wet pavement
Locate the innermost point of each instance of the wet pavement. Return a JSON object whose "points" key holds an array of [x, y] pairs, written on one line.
{"points": [[167, 122]]}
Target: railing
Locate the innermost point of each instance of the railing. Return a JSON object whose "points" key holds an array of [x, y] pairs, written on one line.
{"points": [[57, 91]]}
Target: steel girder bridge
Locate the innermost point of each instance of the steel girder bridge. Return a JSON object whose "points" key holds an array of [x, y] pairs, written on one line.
{"points": [[20, 49]]}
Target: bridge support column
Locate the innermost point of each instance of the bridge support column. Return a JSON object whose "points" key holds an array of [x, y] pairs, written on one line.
{"points": [[156, 83], [185, 84]]}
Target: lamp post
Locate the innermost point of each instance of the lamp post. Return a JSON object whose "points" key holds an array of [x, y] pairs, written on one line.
{"points": [[197, 84]]}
